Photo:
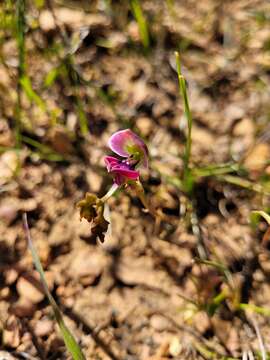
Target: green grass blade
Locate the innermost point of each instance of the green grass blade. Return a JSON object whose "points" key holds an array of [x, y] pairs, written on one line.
{"points": [[170, 5], [142, 23], [74, 81], [68, 338], [210, 354], [51, 76], [20, 28], [187, 178], [254, 308], [45, 151], [215, 170], [244, 183], [262, 214], [39, 3], [30, 93], [82, 117]]}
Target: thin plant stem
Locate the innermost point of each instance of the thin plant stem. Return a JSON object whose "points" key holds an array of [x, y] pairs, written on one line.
{"points": [[139, 190], [210, 354], [142, 23], [73, 78], [194, 221], [262, 214], [111, 191], [188, 177], [183, 92], [68, 63], [259, 337], [244, 183], [69, 339], [171, 8], [254, 308], [215, 170]]}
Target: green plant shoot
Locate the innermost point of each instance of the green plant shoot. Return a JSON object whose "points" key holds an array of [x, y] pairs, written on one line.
{"points": [[187, 177], [68, 338]]}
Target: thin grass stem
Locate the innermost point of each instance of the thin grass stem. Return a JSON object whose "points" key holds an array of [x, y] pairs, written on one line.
{"points": [[259, 337], [68, 338], [244, 183], [141, 21], [68, 63], [263, 214], [187, 176]]}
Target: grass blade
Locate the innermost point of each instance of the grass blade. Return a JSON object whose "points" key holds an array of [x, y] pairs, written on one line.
{"points": [[187, 179], [244, 183], [26, 84], [143, 29], [68, 338], [215, 170], [254, 308], [45, 151], [262, 214]]}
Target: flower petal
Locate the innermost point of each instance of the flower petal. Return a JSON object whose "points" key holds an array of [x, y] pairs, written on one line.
{"points": [[130, 174], [125, 143], [110, 162], [121, 170], [123, 175]]}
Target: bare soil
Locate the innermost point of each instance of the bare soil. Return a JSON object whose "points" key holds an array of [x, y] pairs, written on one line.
{"points": [[143, 293]]}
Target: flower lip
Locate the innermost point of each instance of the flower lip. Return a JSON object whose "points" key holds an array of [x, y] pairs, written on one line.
{"points": [[111, 162], [127, 144], [121, 169]]}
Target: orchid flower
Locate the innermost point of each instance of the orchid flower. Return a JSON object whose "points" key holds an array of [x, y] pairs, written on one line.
{"points": [[134, 153]]}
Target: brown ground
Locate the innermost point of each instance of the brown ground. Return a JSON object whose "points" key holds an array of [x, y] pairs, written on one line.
{"points": [[128, 298]]}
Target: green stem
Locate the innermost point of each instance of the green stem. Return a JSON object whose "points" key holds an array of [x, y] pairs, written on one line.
{"points": [[73, 78], [68, 63], [139, 16], [68, 338], [111, 191], [183, 92], [137, 186], [254, 308], [244, 183], [262, 214]]}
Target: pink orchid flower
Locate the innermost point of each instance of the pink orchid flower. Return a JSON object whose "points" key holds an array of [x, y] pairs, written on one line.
{"points": [[134, 151]]}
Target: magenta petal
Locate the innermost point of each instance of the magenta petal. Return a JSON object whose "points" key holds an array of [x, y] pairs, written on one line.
{"points": [[121, 170], [130, 174], [119, 140], [125, 142], [123, 175], [110, 162]]}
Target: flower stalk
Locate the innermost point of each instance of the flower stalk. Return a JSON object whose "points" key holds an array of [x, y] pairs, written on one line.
{"points": [[110, 193]]}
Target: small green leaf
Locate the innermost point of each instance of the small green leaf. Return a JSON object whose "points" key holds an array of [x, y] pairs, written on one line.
{"points": [[31, 94], [51, 77]]}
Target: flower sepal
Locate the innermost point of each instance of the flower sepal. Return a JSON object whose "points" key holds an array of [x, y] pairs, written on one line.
{"points": [[92, 209]]}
